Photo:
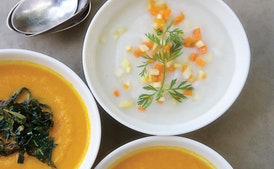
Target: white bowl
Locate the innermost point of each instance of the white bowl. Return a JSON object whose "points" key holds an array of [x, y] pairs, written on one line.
{"points": [[216, 159], [227, 72], [79, 86]]}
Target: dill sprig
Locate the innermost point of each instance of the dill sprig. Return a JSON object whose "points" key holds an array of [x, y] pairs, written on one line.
{"points": [[173, 38]]}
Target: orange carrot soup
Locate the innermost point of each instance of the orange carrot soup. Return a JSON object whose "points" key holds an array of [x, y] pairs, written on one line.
{"points": [[163, 157], [71, 128]]}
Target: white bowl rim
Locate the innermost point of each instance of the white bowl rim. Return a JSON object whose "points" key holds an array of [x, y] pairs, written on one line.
{"points": [[233, 91], [175, 141], [80, 87]]}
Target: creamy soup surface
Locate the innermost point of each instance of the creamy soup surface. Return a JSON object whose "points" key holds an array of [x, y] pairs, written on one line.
{"points": [[163, 157], [134, 24]]}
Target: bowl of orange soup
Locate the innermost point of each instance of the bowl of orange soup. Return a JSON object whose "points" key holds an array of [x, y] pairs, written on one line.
{"points": [[162, 152], [166, 67], [48, 117]]}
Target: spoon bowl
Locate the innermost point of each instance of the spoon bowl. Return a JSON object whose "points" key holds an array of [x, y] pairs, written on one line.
{"points": [[71, 22], [33, 16], [83, 9]]}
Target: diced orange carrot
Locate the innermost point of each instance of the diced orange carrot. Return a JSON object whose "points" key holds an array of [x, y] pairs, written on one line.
{"points": [[149, 44], [167, 48], [159, 77], [189, 42], [159, 66], [166, 13], [138, 53], [193, 56], [171, 68], [159, 8], [188, 92], [203, 50], [153, 11], [126, 86], [151, 8], [200, 61], [141, 108], [160, 101], [178, 19], [116, 93], [197, 34], [155, 8]]}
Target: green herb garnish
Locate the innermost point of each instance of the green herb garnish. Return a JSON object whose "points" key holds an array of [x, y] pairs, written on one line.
{"points": [[173, 39], [24, 127]]}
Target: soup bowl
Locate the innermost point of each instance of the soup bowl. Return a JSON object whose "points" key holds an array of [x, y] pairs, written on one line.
{"points": [[113, 70], [176, 142], [77, 126]]}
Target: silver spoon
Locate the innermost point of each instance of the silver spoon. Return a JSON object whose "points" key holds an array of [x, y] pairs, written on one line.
{"points": [[82, 4], [9, 24], [84, 7], [33, 16], [83, 10], [75, 20], [64, 26]]}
